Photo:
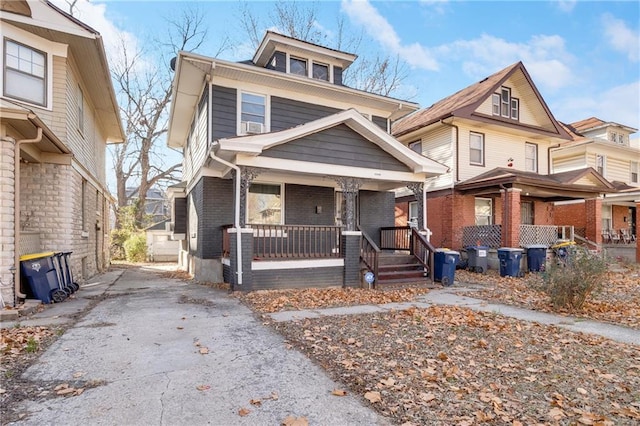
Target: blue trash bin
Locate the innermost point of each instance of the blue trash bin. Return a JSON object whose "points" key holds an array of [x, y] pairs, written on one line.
{"points": [[478, 260], [444, 268], [510, 261], [536, 257], [39, 271]]}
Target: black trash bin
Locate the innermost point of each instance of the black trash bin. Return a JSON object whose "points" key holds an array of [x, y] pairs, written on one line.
{"points": [[561, 250], [478, 260], [39, 271], [510, 261], [444, 269], [536, 257]]}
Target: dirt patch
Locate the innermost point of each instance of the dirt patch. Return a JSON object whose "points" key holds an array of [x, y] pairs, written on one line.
{"points": [[617, 303], [267, 301], [184, 299], [451, 365]]}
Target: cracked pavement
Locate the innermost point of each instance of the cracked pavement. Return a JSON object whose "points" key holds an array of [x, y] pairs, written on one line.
{"points": [[141, 344]]}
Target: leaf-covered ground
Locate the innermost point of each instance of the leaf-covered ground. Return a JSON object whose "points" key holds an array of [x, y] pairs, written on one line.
{"points": [[268, 301], [618, 302], [451, 365]]}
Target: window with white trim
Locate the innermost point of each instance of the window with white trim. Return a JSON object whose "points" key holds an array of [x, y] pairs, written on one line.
{"points": [[634, 167], [298, 66], [413, 213], [601, 164], [606, 217], [25, 73], [531, 157], [253, 113], [264, 204], [484, 211], [80, 110], [613, 136], [476, 148], [321, 71], [504, 105]]}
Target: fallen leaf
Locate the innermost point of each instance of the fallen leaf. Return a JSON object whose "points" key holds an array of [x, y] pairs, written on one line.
{"points": [[180, 328], [66, 391], [582, 391], [243, 412], [373, 396], [203, 387], [78, 374], [79, 391], [295, 421], [255, 402], [204, 350], [339, 392]]}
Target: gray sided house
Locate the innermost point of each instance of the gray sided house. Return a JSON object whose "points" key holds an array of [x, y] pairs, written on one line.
{"points": [[289, 176]]}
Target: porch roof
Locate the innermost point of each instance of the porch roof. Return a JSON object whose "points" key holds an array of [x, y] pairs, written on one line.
{"points": [[574, 184], [247, 150]]}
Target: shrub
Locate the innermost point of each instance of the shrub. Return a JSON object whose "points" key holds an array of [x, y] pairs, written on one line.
{"points": [[136, 247], [570, 283]]}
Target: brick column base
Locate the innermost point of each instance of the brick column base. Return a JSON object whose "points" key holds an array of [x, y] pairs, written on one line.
{"points": [[511, 217], [247, 256], [351, 254], [593, 213]]}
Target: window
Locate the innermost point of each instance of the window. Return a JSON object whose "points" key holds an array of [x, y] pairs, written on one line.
{"points": [[600, 164], [25, 71], [298, 66], [413, 213], [484, 212], [504, 105], [253, 110], [264, 204], [321, 71], [531, 157], [606, 217], [635, 170], [613, 136], [526, 213], [476, 148], [621, 139], [80, 110], [416, 146]]}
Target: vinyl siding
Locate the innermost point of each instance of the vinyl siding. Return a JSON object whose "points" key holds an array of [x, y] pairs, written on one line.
{"points": [[566, 164], [439, 145], [616, 168], [288, 113], [196, 148], [338, 145]]}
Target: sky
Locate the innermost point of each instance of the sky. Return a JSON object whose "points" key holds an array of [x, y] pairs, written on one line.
{"points": [[583, 56]]}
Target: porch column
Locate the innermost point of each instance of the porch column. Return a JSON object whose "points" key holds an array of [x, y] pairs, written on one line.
{"points": [[351, 253], [593, 212], [350, 188], [417, 189], [637, 233], [247, 175], [247, 257], [7, 219], [510, 217]]}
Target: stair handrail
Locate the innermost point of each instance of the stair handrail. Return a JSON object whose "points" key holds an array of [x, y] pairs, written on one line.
{"points": [[422, 246], [369, 252]]}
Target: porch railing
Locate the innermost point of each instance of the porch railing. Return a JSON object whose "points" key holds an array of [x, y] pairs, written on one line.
{"points": [[395, 238], [296, 241], [369, 253], [491, 235], [423, 251]]}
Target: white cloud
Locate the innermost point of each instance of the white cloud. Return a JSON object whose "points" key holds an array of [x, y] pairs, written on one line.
{"points": [[544, 57], [361, 12], [621, 38], [566, 5]]}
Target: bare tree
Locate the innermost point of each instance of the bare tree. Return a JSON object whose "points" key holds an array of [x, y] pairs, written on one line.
{"points": [[144, 91], [380, 74]]}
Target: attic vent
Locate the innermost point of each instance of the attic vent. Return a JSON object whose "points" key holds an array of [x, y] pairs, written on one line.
{"points": [[251, 127]]}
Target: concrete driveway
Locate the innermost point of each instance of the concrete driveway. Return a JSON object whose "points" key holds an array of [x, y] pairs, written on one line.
{"points": [[138, 354]]}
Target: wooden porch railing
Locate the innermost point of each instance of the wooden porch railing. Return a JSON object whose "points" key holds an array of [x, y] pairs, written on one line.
{"points": [[369, 253], [423, 251], [296, 241], [395, 238]]}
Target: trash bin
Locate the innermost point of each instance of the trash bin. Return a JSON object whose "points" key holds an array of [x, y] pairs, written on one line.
{"points": [[39, 271], [444, 269], [510, 261], [536, 257], [477, 258], [561, 250]]}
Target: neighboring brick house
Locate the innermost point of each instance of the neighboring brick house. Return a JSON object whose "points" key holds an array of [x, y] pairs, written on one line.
{"points": [[608, 148], [496, 137], [58, 112], [286, 170]]}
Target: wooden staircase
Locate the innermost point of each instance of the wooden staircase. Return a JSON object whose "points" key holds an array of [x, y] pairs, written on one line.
{"points": [[399, 268]]}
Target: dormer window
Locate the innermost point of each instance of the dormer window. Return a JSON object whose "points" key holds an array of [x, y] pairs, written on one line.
{"points": [[321, 71], [298, 66], [504, 105]]}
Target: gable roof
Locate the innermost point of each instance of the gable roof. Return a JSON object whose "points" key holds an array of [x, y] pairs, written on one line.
{"points": [[464, 103], [593, 123], [254, 145]]}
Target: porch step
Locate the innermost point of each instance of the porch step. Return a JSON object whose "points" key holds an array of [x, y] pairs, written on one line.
{"points": [[399, 268]]}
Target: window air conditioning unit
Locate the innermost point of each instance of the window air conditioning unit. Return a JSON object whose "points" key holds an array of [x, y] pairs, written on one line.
{"points": [[251, 127]]}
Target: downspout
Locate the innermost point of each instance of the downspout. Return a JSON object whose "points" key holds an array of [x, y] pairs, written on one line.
{"points": [[212, 154], [16, 211]]}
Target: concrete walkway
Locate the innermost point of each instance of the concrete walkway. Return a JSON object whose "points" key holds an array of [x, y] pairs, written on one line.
{"points": [[138, 352], [447, 296]]}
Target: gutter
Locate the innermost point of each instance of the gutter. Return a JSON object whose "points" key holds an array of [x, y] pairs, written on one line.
{"points": [[16, 210], [212, 154]]}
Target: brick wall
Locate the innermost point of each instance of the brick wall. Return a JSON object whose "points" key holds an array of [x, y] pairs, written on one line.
{"points": [[570, 214], [301, 202], [7, 236], [212, 200], [376, 211], [542, 213], [511, 217], [401, 212], [618, 215], [593, 214]]}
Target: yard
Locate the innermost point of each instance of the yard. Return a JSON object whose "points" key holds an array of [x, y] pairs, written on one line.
{"points": [[451, 365]]}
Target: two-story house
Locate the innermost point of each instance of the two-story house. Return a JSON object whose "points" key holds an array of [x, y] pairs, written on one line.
{"points": [[606, 147], [286, 170], [496, 138], [58, 111]]}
